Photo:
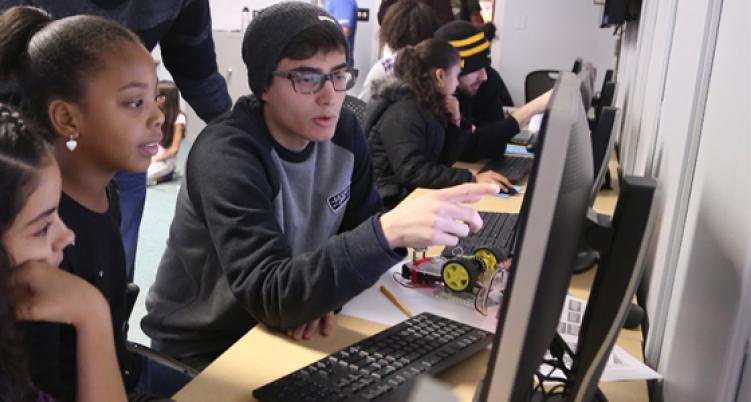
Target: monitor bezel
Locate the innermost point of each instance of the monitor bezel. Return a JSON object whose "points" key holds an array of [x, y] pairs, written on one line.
{"points": [[563, 119]]}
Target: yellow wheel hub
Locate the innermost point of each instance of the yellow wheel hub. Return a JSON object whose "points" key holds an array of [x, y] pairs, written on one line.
{"points": [[456, 277], [487, 257]]}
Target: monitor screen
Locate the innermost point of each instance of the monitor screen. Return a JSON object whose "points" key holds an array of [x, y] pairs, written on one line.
{"points": [[603, 142], [577, 65], [606, 97], [551, 221], [614, 286]]}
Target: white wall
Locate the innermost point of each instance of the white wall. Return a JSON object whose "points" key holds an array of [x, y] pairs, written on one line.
{"points": [[708, 322], [545, 34], [533, 34], [226, 14], [685, 81], [665, 83]]}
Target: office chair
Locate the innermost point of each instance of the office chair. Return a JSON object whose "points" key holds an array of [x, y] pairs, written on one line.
{"points": [[357, 107], [538, 82], [131, 294]]}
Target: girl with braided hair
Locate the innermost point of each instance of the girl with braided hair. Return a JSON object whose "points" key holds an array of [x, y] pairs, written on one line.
{"points": [[32, 288]]}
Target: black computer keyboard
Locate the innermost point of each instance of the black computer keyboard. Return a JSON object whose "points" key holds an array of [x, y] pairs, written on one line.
{"points": [[380, 367], [514, 168], [523, 138], [497, 234]]}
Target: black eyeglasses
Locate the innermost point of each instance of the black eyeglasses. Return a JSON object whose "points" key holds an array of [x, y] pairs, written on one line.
{"points": [[308, 82]]}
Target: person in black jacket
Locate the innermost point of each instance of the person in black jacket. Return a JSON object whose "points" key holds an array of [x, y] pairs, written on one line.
{"points": [[482, 94], [414, 125]]}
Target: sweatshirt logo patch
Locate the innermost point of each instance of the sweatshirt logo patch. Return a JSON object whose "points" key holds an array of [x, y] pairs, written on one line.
{"points": [[338, 200]]}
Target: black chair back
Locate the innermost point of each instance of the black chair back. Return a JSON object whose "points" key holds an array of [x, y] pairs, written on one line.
{"points": [[357, 107], [538, 82]]}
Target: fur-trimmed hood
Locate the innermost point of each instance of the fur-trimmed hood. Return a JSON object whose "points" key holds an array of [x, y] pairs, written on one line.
{"points": [[385, 92]]}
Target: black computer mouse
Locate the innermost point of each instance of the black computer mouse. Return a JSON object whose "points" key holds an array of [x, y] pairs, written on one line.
{"points": [[508, 190]]}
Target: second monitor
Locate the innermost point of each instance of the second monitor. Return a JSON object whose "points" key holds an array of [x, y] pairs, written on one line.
{"points": [[551, 221]]}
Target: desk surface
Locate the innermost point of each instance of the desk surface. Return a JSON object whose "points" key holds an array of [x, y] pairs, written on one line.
{"points": [[262, 355]]}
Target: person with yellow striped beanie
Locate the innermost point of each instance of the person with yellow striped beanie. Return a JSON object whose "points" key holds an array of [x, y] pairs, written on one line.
{"points": [[482, 94]]}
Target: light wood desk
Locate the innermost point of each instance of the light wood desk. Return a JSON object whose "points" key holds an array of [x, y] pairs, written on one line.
{"points": [[262, 355]]}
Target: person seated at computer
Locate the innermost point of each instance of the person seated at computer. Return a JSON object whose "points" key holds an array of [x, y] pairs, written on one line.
{"points": [[414, 126], [481, 93], [278, 220], [406, 23]]}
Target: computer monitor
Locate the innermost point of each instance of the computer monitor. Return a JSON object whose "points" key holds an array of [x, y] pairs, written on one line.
{"points": [[614, 286], [606, 98], [616, 12], [587, 77], [603, 142], [577, 65], [550, 223]]}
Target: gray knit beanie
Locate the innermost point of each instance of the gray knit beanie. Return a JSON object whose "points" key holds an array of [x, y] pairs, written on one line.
{"points": [[269, 33]]}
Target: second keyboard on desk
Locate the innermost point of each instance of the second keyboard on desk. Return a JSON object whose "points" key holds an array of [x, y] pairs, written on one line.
{"points": [[382, 366], [514, 168], [497, 234]]}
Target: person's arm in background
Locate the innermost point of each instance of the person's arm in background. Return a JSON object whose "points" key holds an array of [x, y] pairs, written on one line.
{"points": [[535, 106], [188, 53], [177, 138]]}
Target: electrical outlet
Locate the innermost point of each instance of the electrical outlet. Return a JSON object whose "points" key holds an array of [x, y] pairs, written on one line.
{"points": [[363, 14]]}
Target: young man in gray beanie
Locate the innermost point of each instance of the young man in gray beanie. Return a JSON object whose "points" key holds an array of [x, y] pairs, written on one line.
{"points": [[278, 220], [481, 94]]}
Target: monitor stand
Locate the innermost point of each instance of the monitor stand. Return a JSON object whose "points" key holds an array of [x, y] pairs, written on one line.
{"points": [[586, 260]]}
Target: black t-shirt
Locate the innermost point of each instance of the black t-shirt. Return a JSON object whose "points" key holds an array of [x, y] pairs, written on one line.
{"points": [[97, 257]]}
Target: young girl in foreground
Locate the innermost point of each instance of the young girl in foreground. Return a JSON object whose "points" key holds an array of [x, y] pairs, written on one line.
{"points": [[32, 288], [92, 85]]}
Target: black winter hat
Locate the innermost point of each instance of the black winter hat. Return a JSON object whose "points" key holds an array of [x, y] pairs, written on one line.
{"points": [[271, 30], [470, 42]]}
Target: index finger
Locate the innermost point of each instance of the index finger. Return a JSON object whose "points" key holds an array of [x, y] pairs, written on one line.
{"points": [[467, 192]]}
